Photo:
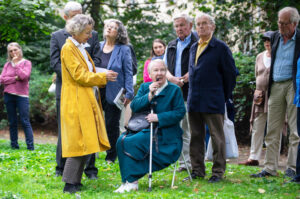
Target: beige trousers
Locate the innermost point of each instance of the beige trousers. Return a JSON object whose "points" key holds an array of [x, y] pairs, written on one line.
{"points": [[281, 102], [257, 136]]}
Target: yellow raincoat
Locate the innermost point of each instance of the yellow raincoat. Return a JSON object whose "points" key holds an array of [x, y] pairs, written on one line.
{"points": [[82, 123]]}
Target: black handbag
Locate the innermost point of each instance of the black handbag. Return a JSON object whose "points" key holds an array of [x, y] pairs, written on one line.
{"points": [[138, 122]]}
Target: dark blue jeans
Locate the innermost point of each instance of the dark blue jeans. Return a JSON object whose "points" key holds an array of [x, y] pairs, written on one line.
{"points": [[13, 105], [297, 178]]}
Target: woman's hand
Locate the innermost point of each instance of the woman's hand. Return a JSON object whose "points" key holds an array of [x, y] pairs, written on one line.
{"points": [[152, 117], [153, 88], [111, 75], [126, 101]]}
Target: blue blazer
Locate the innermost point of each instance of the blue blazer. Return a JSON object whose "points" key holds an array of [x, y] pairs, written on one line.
{"points": [[212, 80], [120, 62]]}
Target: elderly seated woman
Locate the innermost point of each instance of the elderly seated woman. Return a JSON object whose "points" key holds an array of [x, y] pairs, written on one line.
{"points": [[133, 150]]}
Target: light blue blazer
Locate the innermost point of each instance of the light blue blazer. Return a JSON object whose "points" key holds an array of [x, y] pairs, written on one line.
{"points": [[120, 62]]}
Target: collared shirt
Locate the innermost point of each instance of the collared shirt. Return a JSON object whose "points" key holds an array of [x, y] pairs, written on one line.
{"points": [[83, 52], [181, 45], [283, 65], [201, 46]]}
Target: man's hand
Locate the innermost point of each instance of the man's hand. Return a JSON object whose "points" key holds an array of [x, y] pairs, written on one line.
{"points": [[185, 78]]}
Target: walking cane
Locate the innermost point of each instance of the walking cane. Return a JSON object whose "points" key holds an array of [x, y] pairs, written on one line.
{"points": [[150, 155]]}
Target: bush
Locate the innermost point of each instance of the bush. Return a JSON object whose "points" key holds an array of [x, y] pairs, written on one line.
{"points": [[243, 94], [42, 103]]}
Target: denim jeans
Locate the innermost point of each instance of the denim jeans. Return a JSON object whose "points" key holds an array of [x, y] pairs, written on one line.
{"points": [[13, 104]]}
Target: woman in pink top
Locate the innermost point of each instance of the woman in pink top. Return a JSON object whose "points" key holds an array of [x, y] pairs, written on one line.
{"points": [[15, 78], [157, 52]]}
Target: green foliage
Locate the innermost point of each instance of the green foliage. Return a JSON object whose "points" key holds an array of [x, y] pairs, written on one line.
{"points": [[30, 174], [30, 24], [243, 93], [42, 103]]}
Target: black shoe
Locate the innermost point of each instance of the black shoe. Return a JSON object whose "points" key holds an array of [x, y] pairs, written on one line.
{"points": [[70, 188], [78, 186], [290, 173], [15, 147], [262, 174], [193, 175], [58, 173], [92, 177], [214, 179]]}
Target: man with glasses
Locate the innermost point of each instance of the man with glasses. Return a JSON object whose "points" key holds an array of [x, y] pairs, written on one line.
{"points": [[282, 84]]}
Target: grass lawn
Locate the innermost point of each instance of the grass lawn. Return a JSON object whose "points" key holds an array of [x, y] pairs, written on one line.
{"points": [[30, 174]]}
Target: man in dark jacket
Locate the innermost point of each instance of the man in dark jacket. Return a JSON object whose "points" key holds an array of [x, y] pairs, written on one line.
{"points": [[177, 60], [285, 51], [57, 41], [212, 77]]}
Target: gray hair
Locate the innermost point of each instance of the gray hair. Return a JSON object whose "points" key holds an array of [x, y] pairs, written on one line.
{"points": [[202, 14], [294, 15], [154, 62], [72, 6], [77, 24], [9, 58], [185, 16], [122, 36]]}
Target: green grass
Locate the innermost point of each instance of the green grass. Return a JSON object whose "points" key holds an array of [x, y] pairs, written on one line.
{"points": [[30, 174]]}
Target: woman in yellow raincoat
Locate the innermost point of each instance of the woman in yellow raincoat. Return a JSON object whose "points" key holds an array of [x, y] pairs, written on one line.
{"points": [[82, 124]]}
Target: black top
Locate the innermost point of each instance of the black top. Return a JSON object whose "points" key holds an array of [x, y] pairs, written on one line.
{"points": [[105, 57]]}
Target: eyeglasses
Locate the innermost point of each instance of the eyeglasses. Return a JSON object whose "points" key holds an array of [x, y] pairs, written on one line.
{"points": [[111, 27], [283, 24]]}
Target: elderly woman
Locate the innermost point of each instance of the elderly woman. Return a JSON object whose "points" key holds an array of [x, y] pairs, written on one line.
{"points": [[82, 123], [133, 150], [157, 52], [116, 56], [15, 78]]}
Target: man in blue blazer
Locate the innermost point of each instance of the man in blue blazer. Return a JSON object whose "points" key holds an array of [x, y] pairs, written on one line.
{"points": [[57, 41], [212, 77]]}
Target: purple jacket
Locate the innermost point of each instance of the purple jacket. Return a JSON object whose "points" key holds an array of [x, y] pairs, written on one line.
{"points": [[8, 77]]}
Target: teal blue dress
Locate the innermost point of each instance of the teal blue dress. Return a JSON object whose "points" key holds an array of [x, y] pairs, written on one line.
{"points": [[170, 110]]}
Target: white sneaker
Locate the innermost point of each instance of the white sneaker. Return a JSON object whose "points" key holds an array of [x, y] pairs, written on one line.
{"points": [[120, 189], [131, 187]]}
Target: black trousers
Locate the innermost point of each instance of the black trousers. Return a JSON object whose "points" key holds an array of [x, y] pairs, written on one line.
{"points": [[90, 168], [112, 124]]}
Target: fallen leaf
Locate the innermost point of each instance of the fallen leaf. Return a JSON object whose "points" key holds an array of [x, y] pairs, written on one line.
{"points": [[261, 190], [161, 186], [196, 190]]}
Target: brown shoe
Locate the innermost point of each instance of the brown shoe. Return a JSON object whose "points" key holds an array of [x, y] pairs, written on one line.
{"points": [[250, 163]]}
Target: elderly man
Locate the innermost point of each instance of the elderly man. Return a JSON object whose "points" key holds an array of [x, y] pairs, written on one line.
{"points": [[212, 76], [58, 39], [177, 58], [285, 51]]}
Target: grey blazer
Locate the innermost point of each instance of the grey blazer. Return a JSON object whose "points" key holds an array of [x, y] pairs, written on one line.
{"points": [[57, 41]]}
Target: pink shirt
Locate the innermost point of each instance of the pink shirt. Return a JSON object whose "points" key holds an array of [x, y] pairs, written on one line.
{"points": [[146, 74], [8, 78]]}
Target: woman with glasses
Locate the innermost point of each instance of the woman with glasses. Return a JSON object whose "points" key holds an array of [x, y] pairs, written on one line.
{"points": [[15, 78], [116, 56]]}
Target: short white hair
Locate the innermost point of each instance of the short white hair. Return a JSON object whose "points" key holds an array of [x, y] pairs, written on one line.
{"points": [[202, 14], [154, 62], [185, 16], [72, 6], [294, 15], [77, 24]]}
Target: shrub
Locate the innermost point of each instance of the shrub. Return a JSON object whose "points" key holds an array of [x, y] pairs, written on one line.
{"points": [[42, 103], [243, 94]]}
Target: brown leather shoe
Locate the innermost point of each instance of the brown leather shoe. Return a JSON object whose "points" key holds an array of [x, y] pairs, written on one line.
{"points": [[250, 163]]}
